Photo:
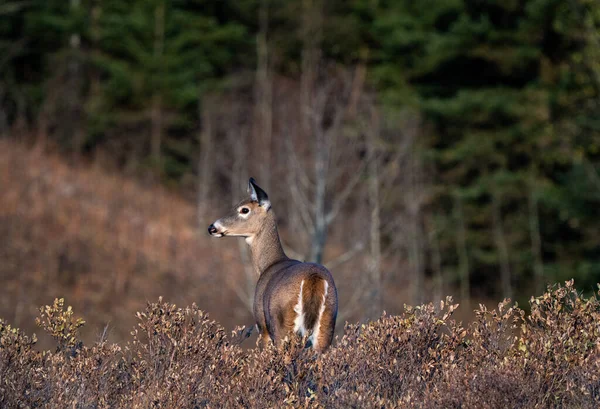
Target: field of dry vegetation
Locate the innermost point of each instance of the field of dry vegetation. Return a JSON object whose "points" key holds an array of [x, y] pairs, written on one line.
{"points": [[180, 358]]}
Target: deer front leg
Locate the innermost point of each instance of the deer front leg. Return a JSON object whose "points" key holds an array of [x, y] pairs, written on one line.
{"points": [[263, 338]]}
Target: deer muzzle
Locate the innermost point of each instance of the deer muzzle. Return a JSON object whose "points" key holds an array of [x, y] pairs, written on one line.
{"points": [[216, 230]]}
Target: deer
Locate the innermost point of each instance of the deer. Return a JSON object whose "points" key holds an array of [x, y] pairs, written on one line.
{"points": [[291, 297]]}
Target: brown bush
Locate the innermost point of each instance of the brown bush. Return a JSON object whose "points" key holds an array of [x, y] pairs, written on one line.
{"points": [[179, 358]]}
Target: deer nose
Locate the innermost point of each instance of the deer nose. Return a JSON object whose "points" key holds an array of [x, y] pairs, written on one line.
{"points": [[212, 229]]}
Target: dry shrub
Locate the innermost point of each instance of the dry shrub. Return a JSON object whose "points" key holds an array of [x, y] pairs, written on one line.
{"points": [[60, 324], [179, 358]]}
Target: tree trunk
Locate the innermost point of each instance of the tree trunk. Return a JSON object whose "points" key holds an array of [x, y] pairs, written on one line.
{"points": [[415, 244], [321, 175], [436, 259], [536, 240], [415, 259], [75, 87], [312, 22], [156, 128], [463, 255], [358, 85], [375, 300], [3, 116], [264, 96], [95, 90], [42, 128], [501, 245], [311, 39], [240, 169], [204, 162], [156, 115], [309, 126]]}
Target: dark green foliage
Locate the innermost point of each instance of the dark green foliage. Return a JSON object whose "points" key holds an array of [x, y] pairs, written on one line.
{"points": [[87, 71], [422, 358], [501, 84]]}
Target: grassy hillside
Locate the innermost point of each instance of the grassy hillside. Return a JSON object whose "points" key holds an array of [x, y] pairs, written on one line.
{"points": [[106, 242], [179, 358]]}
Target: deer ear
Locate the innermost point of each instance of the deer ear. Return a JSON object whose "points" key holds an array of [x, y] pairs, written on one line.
{"points": [[258, 195]]}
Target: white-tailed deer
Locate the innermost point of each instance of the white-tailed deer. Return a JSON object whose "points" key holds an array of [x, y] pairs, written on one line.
{"points": [[291, 296]]}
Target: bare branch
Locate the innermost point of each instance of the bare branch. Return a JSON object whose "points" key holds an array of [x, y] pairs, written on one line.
{"points": [[295, 163], [353, 304], [344, 257], [303, 204], [241, 294], [342, 197], [290, 250]]}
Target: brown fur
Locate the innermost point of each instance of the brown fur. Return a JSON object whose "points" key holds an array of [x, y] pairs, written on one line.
{"points": [[326, 329], [286, 319]]}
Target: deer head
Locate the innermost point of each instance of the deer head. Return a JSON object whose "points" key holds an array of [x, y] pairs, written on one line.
{"points": [[247, 218]]}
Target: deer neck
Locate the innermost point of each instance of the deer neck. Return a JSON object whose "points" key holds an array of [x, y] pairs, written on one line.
{"points": [[266, 246]]}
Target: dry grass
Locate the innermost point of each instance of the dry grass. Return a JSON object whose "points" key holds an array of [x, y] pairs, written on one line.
{"points": [[97, 237], [179, 358]]}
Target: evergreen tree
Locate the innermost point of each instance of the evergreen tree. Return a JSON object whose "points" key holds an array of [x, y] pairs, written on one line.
{"points": [[488, 77], [157, 58]]}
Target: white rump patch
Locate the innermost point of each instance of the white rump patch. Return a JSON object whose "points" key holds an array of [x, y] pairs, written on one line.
{"points": [[315, 333], [249, 239], [299, 321]]}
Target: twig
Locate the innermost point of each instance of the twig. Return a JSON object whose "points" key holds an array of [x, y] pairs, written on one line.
{"points": [[342, 258]]}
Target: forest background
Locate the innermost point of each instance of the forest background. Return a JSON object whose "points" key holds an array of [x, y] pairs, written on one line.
{"points": [[417, 149]]}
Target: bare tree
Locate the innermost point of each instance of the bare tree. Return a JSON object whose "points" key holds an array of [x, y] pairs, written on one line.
{"points": [[205, 163], [231, 159], [336, 166], [388, 161], [501, 246], [433, 229], [239, 180], [461, 249], [263, 126], [312, 20], [75, 87], [372, 133], [322, 150], [156, 110], [414, 200], [311, 36], [536, 239], [95, 74]]}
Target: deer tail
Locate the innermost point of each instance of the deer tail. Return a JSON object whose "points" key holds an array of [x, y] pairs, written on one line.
{"points": [[314, 295]]}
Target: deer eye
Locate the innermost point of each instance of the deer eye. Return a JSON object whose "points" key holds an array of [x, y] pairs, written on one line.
{"points": [[244, 210]]}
